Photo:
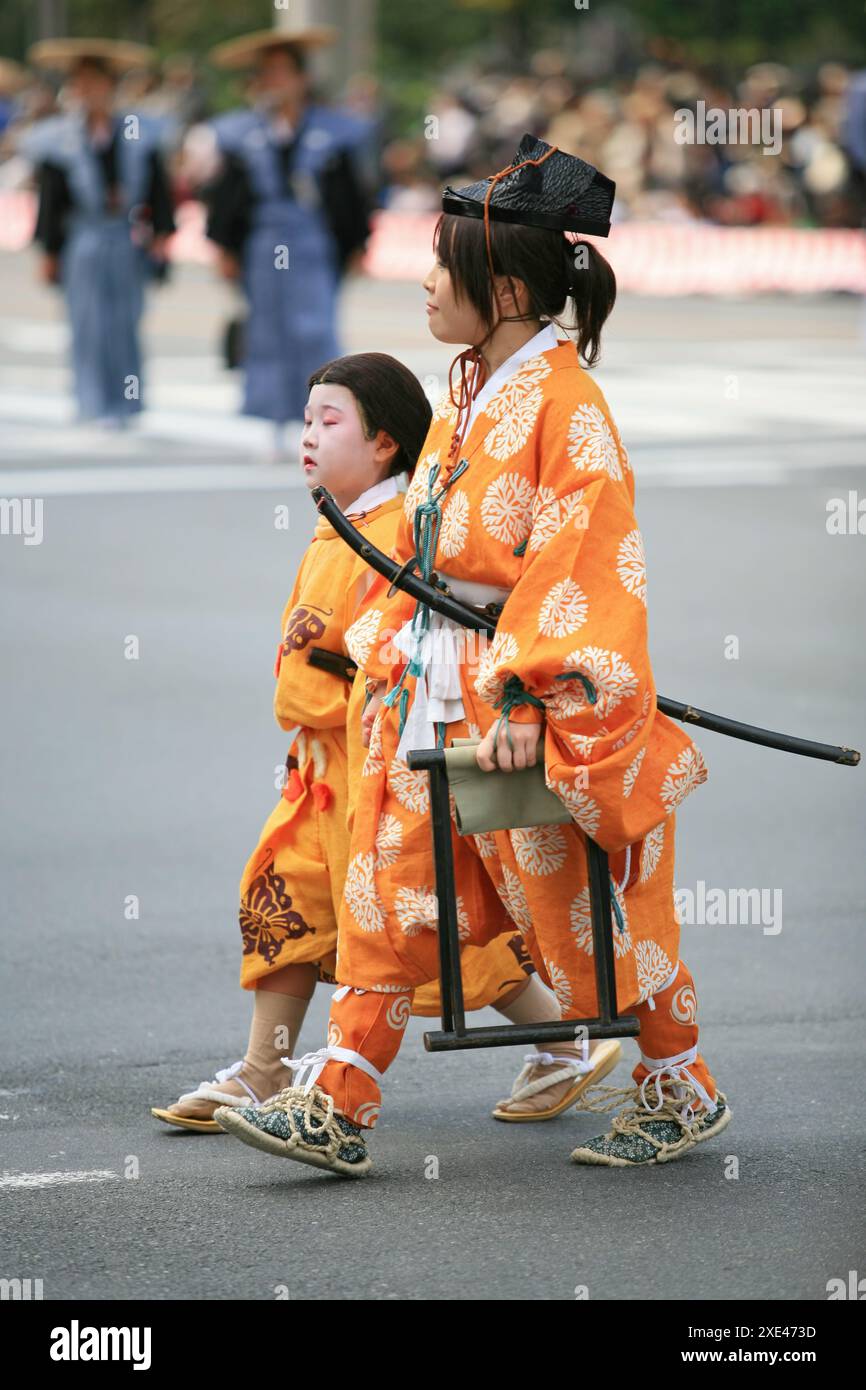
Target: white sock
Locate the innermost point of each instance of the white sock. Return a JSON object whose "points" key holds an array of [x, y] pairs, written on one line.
{"points": [[276, 1023], [534, 1004], [538, 1004]]}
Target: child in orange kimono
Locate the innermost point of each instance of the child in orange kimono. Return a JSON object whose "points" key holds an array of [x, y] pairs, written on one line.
{"points": [[366, 420], [523, 496]]}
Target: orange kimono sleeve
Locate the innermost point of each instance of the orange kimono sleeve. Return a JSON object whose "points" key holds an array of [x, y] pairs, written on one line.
{"points": [[305, 695], [571, 643]]}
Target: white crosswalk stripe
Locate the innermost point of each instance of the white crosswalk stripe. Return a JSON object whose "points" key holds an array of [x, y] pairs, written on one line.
{"points": [[177, 477], [36, 1180], [708, 414]]}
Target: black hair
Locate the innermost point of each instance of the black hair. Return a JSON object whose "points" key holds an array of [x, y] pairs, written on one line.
{"points": [[389, 397], [553, 269]]}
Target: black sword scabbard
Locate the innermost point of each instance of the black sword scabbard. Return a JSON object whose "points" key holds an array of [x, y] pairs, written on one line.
{"points": [[335, 662], [450, 607]]}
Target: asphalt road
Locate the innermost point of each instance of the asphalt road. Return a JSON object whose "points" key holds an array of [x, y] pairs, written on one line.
{"points": [[152, 777]]}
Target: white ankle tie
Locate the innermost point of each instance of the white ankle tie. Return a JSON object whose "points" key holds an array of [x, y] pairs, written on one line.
{"points": [[312, 1064], [206, 1090], [677, 1069], [581, 1065]]}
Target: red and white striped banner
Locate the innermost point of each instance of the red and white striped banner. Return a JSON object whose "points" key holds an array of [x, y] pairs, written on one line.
{"points": [[663, 259], [648, 257]]}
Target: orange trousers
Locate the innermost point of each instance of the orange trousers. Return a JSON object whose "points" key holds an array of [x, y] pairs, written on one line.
{"points": [[371, 1025]]}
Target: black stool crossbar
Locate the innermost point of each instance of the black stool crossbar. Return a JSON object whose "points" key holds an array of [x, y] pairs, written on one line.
{"points": [[454, 1034]]}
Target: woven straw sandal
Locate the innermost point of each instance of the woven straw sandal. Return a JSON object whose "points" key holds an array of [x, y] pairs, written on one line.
{"points": [[644, 1132], [536, 1077], [208, 1091], [301, 1125]]}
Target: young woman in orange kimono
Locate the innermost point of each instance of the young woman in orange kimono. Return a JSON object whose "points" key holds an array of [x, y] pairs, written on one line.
{"points": [[523, 496], [366, 419]]}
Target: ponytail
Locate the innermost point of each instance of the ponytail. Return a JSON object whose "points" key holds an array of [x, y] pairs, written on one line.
{"points": [[592, 287]]}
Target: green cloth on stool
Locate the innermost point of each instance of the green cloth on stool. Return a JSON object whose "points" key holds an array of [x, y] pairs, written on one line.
{"points": [[498, 800]]}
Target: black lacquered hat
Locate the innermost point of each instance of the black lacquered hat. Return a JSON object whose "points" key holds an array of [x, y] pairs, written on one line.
{"points": [[544, 187]]}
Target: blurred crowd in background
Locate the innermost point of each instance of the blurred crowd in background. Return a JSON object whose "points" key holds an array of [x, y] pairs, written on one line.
{"points": [[623, 125], [627, 129]]}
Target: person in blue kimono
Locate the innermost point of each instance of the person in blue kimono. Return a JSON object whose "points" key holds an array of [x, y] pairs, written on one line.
{"points": [[289, 212], [105, 212], [13, 81]]}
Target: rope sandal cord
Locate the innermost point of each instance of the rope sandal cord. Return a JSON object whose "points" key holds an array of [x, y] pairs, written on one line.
{"points": [[316, 1101], [600, 1100], [632, 1122]]}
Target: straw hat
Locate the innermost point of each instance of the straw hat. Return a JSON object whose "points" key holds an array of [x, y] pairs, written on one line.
{"points": [[61, 55], [245, 51], [13, 78]]}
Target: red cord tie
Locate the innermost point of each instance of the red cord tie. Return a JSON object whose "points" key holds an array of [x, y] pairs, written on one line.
{"points": [[472, 368], [322, 795], [471, 360], [294, 786]]}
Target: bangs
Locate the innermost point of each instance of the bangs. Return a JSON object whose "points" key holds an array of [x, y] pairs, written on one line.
{"points": [[459, 245]]}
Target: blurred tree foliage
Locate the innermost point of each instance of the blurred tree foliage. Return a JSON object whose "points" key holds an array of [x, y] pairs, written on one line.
{"points": [[419, 40], [728, 33], [172, 25], [418, 43]]}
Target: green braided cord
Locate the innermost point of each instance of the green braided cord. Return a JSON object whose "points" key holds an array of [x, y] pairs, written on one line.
{"points": [[589, 688], [507, 731], [426, 525], [404, 708], [425, 530], [440, 733], [520, 549], [393, 693], [513, 694], [617, 910]]}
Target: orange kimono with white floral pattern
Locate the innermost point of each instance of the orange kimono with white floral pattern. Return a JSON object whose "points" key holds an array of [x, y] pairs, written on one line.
{"points": [[544, 510], [293, 882]]}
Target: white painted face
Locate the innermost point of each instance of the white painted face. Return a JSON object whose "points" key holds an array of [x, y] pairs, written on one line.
{"points": [[335, 452]]}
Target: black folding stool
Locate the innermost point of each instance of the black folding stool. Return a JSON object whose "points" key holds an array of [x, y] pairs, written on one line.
{"points": [[454, 1035]]}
